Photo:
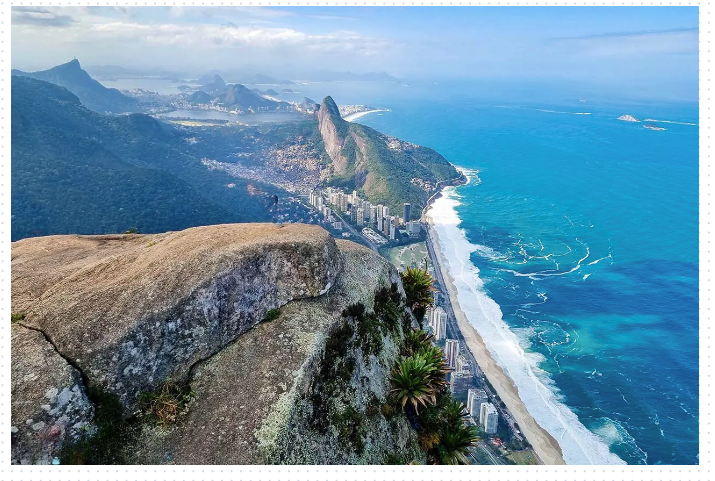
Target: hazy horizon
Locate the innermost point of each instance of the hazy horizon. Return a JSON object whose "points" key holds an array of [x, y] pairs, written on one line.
{"points": [[628, 50]]}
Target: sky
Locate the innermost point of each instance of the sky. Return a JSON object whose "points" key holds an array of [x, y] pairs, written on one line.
{"points": [[654, 46]]}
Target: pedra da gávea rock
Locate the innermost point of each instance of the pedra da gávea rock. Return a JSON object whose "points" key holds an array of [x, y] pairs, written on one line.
{"points": [[128, 313]]}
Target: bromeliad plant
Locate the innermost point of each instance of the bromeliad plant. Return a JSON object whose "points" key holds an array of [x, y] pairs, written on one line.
{"points": [[416, 339], [419, 290], [411, 381], [418, 378], [455, 440], [419, 384]]}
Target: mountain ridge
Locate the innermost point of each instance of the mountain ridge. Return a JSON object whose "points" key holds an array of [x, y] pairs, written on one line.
{"points": [[91, 93]]}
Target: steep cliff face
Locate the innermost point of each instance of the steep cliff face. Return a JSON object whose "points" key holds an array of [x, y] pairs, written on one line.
{"points": [[334, 131], [133, 312], [386, 170]]}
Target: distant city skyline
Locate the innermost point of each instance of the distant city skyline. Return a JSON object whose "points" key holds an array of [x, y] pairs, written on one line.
{"points": [[616, 46]]}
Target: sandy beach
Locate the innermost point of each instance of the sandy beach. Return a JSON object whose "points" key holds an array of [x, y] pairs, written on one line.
{"points": [[545, 446], [357, 115]]}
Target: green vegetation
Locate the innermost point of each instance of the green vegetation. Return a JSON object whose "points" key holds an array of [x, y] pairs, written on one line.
{"points": [[75, 171], [414, 381], [272, 315], [113, 435], [416, 340], [107, 441], [16, 317], [419, 385], [418, 290]]}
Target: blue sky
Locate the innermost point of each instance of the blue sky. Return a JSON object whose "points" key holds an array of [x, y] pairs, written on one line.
{"points": [[628, 45]]}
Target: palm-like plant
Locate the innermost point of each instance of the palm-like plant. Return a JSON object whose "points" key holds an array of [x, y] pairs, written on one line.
{"points": [[455, 442], [434, 356], [418, 287], [455, 412], [412, 382], [416, 339]]}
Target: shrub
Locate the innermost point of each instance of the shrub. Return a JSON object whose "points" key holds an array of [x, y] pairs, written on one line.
{"points": [[16, 317], [272, 315]]}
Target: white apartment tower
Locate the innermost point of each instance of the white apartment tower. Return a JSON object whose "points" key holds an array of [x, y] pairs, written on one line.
{"points": [[451, 350], [475, 399], [488, 418], [438, 323]]}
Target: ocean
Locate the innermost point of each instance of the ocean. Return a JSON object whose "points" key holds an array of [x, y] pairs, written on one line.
{"points": [[576, 241], [574, 247]]}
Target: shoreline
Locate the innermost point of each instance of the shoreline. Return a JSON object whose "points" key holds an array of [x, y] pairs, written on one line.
{"points": [[357, 115], [544, 444]]}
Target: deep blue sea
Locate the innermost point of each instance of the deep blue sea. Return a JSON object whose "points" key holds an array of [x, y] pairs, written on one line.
{"points": [[574, 248], [583, 229]]}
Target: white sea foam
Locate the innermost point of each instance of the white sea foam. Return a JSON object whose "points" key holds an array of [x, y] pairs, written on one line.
{"points": [[536, 388], [561, 112], [670, 122]]}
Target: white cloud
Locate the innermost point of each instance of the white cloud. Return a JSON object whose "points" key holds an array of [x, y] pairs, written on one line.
{"points": [[94, 27]]}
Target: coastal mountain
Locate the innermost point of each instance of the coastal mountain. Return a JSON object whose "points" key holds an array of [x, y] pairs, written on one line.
{"points": [[200, 97], [215, 86], [308, 106], [244, 78], [91, 93], [241, 97], [387, 170], [78, 171], [253, 330]]}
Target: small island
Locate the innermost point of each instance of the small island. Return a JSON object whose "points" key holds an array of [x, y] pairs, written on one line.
{"points": [[628, 118]]}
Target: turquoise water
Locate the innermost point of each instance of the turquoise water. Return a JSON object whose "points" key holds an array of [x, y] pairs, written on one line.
{"points": [[581, 235], [584, 230]]}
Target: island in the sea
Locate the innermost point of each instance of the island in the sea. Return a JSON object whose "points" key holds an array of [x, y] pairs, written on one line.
{"points": [[628, 118]]}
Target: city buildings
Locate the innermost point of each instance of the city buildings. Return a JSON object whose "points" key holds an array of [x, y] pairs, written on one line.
{"points": [[460, 381], [413, 228], [475, 399], [451, 350], [488, 418], [437, 319], [463, 364], [363, 213]]}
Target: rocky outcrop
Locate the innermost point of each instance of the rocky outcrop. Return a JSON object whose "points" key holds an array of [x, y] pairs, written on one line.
{"points": [[257, 400], [334, 130], [132, 312], [49, 403]]}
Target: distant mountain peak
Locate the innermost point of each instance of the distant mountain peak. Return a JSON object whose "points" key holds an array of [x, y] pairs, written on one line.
{"points": [[74, 63], [91, 93]]}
